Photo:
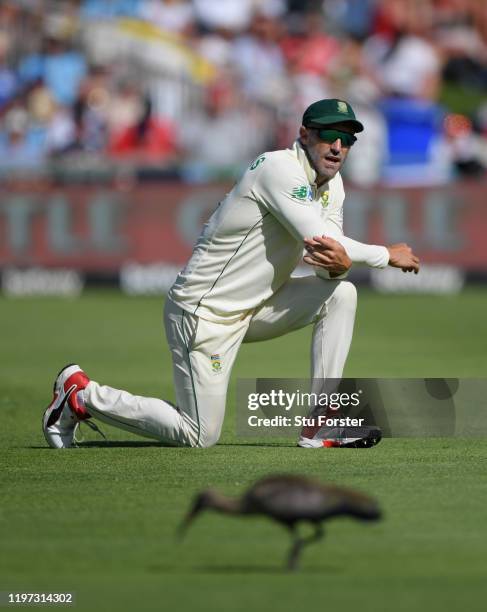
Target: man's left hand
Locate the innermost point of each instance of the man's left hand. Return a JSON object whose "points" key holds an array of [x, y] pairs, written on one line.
{"points": [[328, 254]]}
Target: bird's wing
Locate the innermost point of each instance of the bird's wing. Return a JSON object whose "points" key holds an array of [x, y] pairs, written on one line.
{"points": [[292, 499]]}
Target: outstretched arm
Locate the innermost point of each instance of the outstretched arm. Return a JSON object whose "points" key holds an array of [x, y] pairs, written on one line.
{"points": [[402, 256]]}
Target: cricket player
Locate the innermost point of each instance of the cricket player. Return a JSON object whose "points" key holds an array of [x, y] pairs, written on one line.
{"points": [[237, 287]]}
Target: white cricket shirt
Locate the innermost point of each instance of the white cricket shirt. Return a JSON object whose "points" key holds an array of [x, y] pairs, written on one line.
{"points": [[254, 239]]}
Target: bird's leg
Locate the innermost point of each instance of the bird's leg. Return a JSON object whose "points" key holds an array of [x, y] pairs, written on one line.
{"points": [[299, 543], [293, 557]]}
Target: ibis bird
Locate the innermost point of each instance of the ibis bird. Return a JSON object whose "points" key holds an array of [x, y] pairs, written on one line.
{"points": [[289, 500]]}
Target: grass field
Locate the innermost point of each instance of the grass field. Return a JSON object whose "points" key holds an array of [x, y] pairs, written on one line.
{"points": [[100, 520]]}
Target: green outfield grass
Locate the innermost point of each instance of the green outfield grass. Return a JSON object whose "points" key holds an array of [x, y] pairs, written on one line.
{"points": [[100, 520]]}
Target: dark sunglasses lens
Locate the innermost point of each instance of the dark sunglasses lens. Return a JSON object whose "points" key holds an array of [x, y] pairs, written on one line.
{"points": [[332, 135]]}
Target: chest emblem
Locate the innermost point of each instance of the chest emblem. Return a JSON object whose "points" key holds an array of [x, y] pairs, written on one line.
{"points": [[325, 198]]}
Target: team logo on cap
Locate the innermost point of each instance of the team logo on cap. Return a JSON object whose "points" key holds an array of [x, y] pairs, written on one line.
{"points": [[342, 107]]}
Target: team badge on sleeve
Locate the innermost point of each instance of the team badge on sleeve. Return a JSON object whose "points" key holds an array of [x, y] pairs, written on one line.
{"points": [[302, 193]]}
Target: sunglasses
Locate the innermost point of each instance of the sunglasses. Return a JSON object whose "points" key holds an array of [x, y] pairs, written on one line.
{"points": [[330, 136]]}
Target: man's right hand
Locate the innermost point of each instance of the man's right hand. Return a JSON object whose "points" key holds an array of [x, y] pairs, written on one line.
{"points": [[327, 253], [402, 256]]}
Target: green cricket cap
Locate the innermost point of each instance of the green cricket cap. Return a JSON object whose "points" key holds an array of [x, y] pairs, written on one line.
{"points": [[325, 112]]}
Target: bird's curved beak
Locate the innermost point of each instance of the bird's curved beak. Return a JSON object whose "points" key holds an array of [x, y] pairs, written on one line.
{"points": [[184, 525], [189, 518]]}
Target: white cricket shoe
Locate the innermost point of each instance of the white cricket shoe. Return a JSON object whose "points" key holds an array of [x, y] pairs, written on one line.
{"points": [[64, 412], [343, 437]]}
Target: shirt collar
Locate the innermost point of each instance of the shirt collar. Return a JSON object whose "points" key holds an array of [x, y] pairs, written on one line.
{"points": [[300, 152], [304, 161]]}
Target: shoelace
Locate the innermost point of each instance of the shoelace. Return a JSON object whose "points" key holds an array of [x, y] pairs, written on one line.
{"points": [[93, 426]]}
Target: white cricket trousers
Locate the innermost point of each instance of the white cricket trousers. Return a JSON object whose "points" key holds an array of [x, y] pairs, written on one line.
{"points": [[204, 352]]}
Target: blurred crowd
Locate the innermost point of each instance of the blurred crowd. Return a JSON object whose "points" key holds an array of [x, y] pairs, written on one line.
{"points": [[200, 87]]}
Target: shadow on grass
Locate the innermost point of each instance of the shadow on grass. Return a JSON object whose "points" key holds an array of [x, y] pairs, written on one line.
{"points": [[114, 444], [136, 443], [259, 444], [280, 570], [154, 444]]}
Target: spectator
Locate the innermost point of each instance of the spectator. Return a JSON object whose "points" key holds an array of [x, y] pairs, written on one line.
{"points": [[170, 15], [20, 149], [311, 50], [216, 47], [61, 132], [351, 78], [59, 67], [401, 55], [225, 135], [309, 53], [126, 106], [353, 17], [467, 148], [260, 61], [230, 15], [92, 111], [459, 34], [54, 123], [150, 140], [8, 79], [278, 56], [109, 9]]}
